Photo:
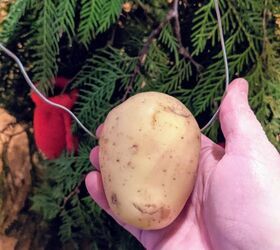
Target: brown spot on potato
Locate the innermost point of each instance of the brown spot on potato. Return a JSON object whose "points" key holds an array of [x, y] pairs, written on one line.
{"points": [[117, 160], [154, 119], [134, 148], [164, 170], [174, 179], [182, 137], [130, 165], [170, 156], [164, 213], [138, 191], [114, 199], [114, 144], [162, 184]]}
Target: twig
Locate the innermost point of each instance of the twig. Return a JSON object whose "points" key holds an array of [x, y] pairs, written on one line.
{"points": [[75, 191], [112, 39], [265, 37], [182, 50], [142, 55], [144, 51]]}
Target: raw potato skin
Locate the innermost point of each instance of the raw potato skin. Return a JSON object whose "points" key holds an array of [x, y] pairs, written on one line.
{"points": [[149, 151]]}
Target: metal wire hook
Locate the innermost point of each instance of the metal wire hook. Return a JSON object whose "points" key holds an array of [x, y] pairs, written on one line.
{"points": [[219, 20]]}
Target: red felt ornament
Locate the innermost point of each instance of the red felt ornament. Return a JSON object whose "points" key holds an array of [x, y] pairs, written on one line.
{"points": [[52, 126]]}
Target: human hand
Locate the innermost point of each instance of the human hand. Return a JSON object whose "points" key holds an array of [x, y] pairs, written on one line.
{"points": [[235, 203]]}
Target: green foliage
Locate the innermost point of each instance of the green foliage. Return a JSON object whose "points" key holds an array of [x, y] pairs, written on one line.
{"points": [[65, 17], [81, 220], [16, 11], [66, 173], [211, 82], [96, 17], [167, 38], [109, 69], [203, 26], [247, 45], [108, 43], [46, 45]]}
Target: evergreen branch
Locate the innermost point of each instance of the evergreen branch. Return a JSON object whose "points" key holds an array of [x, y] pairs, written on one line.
{"points": [[75, 191], [96, 17], [173, 78], [111, 12], [99, 78], [205, 26], [65, 17], [202, 21], [142, 55], [157, 67], [209, 86], [46, 48], [11, 22], [167, 38], [89, 19], [243, 28], [182, 50]]}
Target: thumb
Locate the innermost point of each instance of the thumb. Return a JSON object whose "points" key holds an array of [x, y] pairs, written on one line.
{"points": [[239, 124]]}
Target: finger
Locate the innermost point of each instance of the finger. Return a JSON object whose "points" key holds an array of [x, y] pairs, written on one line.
{"points": [[208, 145], [94, 154], [94, 157], [206, 142], [210, 154], [96, 190], [99, 130], [238, 122]]}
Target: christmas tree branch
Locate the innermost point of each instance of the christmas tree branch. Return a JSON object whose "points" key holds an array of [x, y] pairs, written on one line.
{"points": [[182, 50], [75, 191], [264, 24], [144, 51], [173, 13]]}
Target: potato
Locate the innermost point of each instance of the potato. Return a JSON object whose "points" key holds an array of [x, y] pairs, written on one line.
{"points": [[149, 150]]}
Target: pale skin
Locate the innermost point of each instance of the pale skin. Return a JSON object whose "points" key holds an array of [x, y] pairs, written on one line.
{"points": [[235, 203]]}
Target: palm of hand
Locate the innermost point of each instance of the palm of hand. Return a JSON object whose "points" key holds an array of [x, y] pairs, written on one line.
{"points": [[235, 202]]}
